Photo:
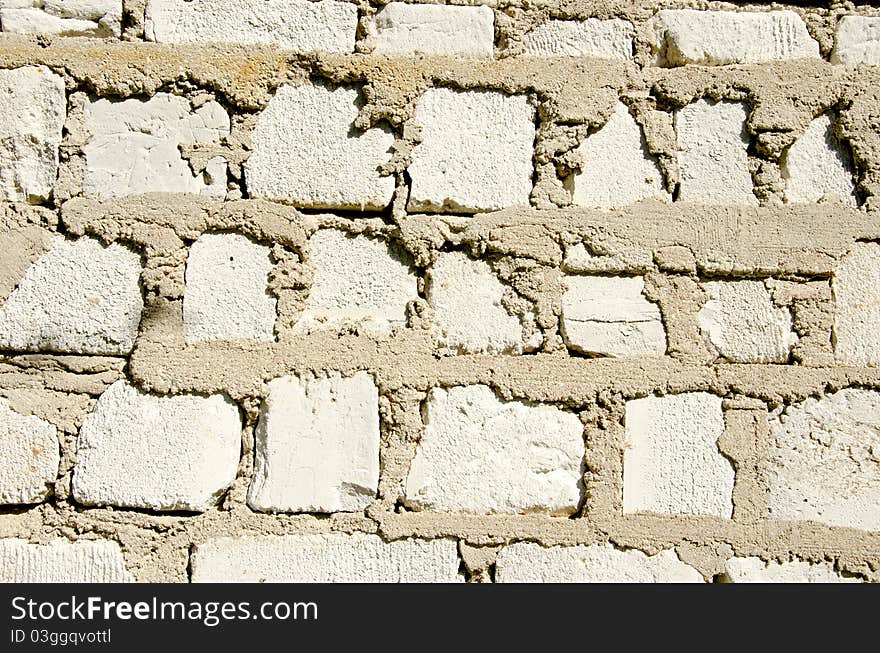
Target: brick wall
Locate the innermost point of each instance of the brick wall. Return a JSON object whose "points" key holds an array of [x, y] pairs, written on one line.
{"points": [[298, 290]]}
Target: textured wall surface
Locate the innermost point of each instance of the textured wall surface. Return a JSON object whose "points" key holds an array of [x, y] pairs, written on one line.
{"points": [[503, 291]]}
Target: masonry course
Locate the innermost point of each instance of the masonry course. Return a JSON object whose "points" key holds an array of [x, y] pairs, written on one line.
{"points": [[425, 245]]}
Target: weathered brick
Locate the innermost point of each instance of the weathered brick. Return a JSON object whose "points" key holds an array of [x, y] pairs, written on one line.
{"points": [[317, 445], [602, 39], [162, 453], [332, 558], [307, 152], [227, 294], [610, 316], [343, 296], [29, 451], [63, 17], [475, 153], [484, 455], [527, 562], [689, 36], [134, 146], [741, 323], [712, 160], [298, 25], [671, 463], [469, 312], [29, 148], [617, 170], [401, 28], [61, 561], [823, 460], [79, 297]]}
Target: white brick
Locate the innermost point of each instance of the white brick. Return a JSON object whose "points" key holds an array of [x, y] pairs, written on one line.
{"points": [[163, 453], [713, 38], [227, 295], [480, 454], [602, 39], [817, 165], [400, 28], [359, 282], [307, 152], [298, 25], [713, 163], [475, 154], [742, 324], [61, 561], [610, 316], [317, 445], [79, 297], [527, 562], [857, 41], [469, 316], [29, 451], [62, 17], [29, 148], [617, 170], [825, 460], [672, 463], [134, 146], [755, 570], [331, 558], [857, 306]]}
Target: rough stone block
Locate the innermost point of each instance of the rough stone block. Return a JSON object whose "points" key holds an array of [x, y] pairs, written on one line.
{"points": [[617, 170], [857, 41], [480, 454], [602, 39], [29, 148], [824, 462], [100, 18], [527, 562], [475, 154], [161, 453], [610, 316], [742, 324], [469, 314], [227, 296], [307, 152], [29, 451], [714, 38], [134, 146], [755, 570], [317, 445], [713, 163], [61, 561], [401, 28], [672, 463], [330, 558], [360, 282], [79, 297], [298, 25], [857, 306], [818, 165]]}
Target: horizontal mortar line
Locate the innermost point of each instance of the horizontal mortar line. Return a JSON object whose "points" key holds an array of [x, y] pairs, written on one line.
{"points": [[260, 66], [641, 531], [208, 368], [765, 231], [624, 528]]}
